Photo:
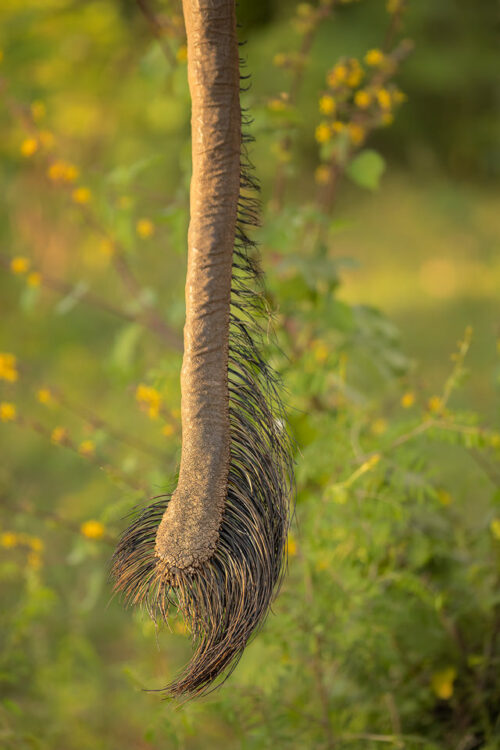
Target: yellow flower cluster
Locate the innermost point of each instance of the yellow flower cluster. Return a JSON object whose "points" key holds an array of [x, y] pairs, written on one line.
{"points": [[8, 367], [375, 58], [435, 405], [35, 545], [8, 412], [62, 171], [92, 529], [44, 396], [20, 265], [149, 398], [87, 448], [363, 99], [59, 435], [30, 145], [347, 72], [407, 399], [10, 539], [145, 228], [277, 104], [81, 195], [327, 105]]}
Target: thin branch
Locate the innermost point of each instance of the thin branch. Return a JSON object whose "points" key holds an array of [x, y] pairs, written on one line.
{"points": [[157, 30]]}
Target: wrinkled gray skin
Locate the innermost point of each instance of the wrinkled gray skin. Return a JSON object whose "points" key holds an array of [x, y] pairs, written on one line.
{"points": [[188, 533]]}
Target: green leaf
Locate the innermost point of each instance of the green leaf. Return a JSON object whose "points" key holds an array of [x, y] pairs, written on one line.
{"points": [[67, 303], [125, 345], [366, 169]]}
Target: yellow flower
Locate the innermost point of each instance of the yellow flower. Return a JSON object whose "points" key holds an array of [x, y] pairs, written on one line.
{"points": [[8, 412], [444, 497], [38, 110], [435, 404], [20, 264], [29, 146], [34, 279], [59, 435], [92, 529], [86, 448], [442, 682], [145, 228], [356, 133], [356, 73], [322, 174], [291, 546], [61, 171], [279, 60], [338, 126], [323, 133], [182, 53], [8, 367], [337, 75], [327, 105], [81, 195], [36, 544], [374, 57], [379, 426], [362, 99], [34, 561], [149, 397], [276, 105], [9, 540], [384, 98], [495, 528], [387, 118], [407, 399], [44, 396], [168, 430]]}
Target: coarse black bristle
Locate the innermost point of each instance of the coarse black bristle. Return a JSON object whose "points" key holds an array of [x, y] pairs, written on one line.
{"points": [[227, 600]]}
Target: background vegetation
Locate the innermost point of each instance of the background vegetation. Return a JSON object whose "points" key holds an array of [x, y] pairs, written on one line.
{"points": [[379, 239]]}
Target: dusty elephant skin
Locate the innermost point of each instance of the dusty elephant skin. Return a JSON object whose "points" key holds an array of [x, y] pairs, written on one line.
{"points": [[215, 549], [188, 533]]}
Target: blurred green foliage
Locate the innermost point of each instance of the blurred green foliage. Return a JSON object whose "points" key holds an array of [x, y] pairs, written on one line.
{"points": [[387, 628]]}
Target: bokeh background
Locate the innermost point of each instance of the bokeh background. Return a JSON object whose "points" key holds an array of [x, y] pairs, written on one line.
{"points": [[387, 630]]}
